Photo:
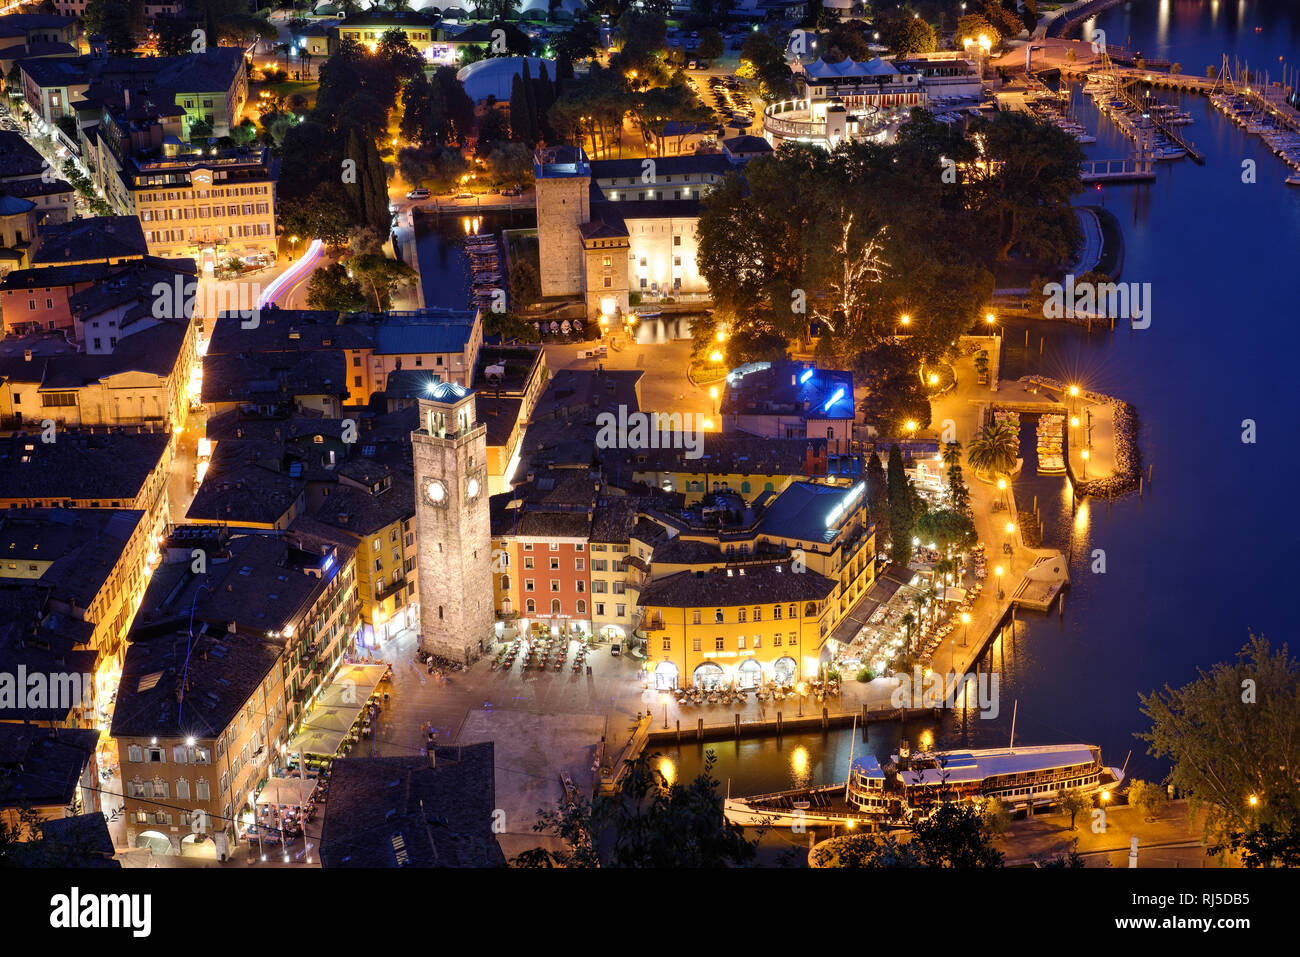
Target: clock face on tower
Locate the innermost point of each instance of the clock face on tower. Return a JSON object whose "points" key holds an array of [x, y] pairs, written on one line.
{"points": [[435, 492], [472, 488]]}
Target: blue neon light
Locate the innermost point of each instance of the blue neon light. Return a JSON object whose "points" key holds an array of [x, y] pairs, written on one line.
{"points": [[839, 394], [805, 377]]}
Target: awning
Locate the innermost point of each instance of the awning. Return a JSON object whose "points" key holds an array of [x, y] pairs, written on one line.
{"points": [[287, 791], [337, 710]]}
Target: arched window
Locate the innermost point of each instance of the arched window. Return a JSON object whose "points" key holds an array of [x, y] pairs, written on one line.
{"points": [[505, 582], [582, 607], [555, 606], [769, 487], [744, 487], [530, 606]]}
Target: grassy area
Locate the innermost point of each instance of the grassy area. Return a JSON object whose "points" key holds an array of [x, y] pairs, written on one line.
{"points": [[288, 88]]}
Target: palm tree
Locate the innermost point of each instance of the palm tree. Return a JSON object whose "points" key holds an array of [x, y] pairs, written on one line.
{"points": [[993, 448], [908, 620], [951, 454]]}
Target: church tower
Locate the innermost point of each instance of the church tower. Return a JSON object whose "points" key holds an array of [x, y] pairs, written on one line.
{"points": [[563, 181], [452, 524]]}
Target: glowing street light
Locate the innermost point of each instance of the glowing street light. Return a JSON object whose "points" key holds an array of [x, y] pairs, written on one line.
{"points": [[716, 357], [905, 319], [1074, 390], [911, 425], [965, 620], [934, 378], [1011, 528], [1084, 456], [998, 572]]}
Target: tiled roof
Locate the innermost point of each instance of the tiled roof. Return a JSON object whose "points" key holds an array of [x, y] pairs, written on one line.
{"points": [[738, 585], [400, 812]]}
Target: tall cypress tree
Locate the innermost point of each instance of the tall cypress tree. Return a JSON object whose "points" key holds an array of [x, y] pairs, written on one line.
{"points": [[545, 97], [531, 96], [900, 509], [379, 216], [518, 110]]}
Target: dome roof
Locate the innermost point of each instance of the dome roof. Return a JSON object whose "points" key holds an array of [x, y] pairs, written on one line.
{"points": [[492, 77]]}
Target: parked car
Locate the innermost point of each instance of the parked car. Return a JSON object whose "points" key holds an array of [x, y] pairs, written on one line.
{"points": [[420, 193]]}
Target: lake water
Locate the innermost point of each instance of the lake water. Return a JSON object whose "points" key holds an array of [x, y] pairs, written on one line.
{"points": [[1202, 559]]}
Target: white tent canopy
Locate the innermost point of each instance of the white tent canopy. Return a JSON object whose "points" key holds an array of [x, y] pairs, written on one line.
{"points": [[337, 710]]}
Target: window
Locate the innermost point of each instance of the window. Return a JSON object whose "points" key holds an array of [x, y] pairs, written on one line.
{"points": [[695, 644], [695, 617], [530, 606], [600, 609], [580, 586], [555, 564], [555, 584], [758, 614], [758, 641], [580, 564], [135, 754], [719, 644], [582, 608], [776, 640], [528, 585], [776, 612], [622, 610], [740, 615], [555, 606], [717, 616], [528, 561], [154, 756], [668, 644]]}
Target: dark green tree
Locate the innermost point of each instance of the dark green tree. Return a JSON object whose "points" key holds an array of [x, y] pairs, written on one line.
{"points": [[332, 288], [900, 509]]}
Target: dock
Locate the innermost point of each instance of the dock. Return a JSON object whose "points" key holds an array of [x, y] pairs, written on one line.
{"points": [[1117, 170]]}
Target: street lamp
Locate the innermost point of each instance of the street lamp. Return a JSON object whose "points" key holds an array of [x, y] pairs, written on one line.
{"points": [[1084, 455], [665, 700], [905, 319], [965, 620], [713, 394], [998, 573]]}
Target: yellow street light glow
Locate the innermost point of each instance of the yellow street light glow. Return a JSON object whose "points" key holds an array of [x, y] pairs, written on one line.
{"points": [[1074, 421], [716, 357], [934, 378], [1002, 483], [988, 317], [1074, 390], [1254, 800], [965, 618], [1084, 453], [1011, 527], [713, 391], [722, 336], [911, 425], [998, 570], [1105, 795], [905, 319]]}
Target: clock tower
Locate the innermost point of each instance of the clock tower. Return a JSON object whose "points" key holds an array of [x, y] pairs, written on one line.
{"points": [[451, 513]]}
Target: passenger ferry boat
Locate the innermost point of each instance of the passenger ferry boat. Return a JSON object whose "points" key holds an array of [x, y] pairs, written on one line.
{"points": [[910, 786]]}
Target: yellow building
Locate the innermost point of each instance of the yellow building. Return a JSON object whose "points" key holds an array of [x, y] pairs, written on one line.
{"points": [[762, 623], [780, 579], [191, 757], [211, 207]]}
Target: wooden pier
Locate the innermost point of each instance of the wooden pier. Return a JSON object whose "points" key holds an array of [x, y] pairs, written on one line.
{"points": [[1117, 170]]}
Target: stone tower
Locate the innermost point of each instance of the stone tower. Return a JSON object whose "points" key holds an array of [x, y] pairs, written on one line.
{"points": [[563, 206], [451, 515]]}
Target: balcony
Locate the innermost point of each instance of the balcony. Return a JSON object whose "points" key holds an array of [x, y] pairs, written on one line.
{"points": [[653, 624]]}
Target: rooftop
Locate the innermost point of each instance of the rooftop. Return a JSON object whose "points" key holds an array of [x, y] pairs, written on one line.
{"points": [[73, 467], [401, 812], [739, 585], [172, 685]]}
